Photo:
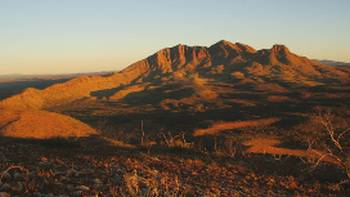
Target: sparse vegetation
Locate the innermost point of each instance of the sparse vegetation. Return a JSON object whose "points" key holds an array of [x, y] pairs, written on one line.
{"points": [[175, 141], [157, 184], [333, 138]]}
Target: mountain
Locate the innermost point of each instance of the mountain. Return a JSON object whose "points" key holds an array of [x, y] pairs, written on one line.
{"points": [[12, 84], [9, 78], [196, 68], [226, 81], [334, 63]]}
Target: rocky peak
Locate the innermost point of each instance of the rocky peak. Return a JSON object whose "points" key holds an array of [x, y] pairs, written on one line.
{"points": [[278, 55], [246, 48], [279, 48], [171, 59], [225, 52]]}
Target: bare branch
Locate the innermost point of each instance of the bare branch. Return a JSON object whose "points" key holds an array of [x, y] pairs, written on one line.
{"points": [[321, 159], [327, 123], [343, 133]]}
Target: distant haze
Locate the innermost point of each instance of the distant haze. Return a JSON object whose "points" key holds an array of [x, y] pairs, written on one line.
{"points": [[42, 37]]}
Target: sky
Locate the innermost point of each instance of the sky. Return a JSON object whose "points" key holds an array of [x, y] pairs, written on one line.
{"points": [[68, 36]]}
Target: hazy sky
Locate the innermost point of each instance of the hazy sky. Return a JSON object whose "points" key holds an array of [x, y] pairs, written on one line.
{"points": [[62, 36]]}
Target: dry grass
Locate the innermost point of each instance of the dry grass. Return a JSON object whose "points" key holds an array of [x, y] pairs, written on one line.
{"points": [[219, 127], [154, 185], [175, 141]]}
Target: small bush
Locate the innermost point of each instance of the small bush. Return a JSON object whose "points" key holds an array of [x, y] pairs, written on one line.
{"points": [[156, 184], [329, 131], [175, 141]]}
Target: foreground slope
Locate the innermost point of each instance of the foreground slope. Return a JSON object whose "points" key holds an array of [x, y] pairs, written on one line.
{"points": [[41, 125]]}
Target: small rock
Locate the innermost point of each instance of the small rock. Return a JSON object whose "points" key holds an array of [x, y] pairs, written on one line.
{"points": [[60, 162], [82, 188], [97, 181], [44, 159]]}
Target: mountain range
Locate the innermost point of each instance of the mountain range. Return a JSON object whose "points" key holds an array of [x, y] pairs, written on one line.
{"points": [[235, 63], [191, 79]]}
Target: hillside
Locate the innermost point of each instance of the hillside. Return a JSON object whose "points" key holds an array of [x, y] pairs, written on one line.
{"points": [[41, 125]]}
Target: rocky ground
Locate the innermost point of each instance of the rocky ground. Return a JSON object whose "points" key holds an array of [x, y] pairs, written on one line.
{"points": [[90, 167]]}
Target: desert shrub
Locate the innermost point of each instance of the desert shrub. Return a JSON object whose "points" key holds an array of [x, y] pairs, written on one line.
{"points": [[226, 145], [154, 185], [328, 131], [175, 141]]}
